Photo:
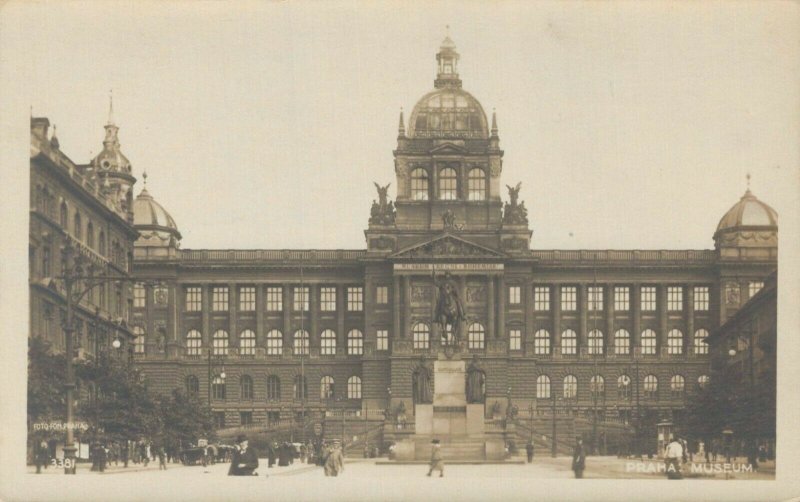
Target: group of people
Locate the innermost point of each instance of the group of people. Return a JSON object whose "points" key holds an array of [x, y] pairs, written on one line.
{"points": [[244, 462]]}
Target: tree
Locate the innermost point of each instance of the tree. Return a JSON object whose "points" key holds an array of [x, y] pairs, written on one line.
{"points": [[46, 402], [184, 418]]}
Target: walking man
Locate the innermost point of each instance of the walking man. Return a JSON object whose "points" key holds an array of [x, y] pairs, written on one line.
{"points": [[245, 460], [672, 457], [529, 451], [578, 458], [437, 462]]}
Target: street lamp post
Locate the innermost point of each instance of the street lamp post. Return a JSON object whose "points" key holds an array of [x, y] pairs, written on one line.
{"points": [[555, 450], [77, 283]]}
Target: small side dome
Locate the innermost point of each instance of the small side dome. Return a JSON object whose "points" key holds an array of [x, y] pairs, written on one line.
{"points": [[748, 212], [155, 225]]}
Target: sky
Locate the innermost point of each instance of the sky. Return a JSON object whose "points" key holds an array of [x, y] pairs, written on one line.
{"points": [[263, 125]]}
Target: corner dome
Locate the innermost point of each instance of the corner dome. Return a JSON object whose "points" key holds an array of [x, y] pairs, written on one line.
{"points": [[449, 112], [155, 225], [749, 212]]}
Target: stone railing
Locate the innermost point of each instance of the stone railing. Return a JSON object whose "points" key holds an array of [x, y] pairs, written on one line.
{"points": [[275, 255], [641, 256]]}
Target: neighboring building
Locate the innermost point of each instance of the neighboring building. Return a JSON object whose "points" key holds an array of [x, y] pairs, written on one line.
{"points": [[357, 324], [91, 207]]}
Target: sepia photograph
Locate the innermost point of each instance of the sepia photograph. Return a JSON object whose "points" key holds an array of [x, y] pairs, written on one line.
{"points": [[437, 251]]}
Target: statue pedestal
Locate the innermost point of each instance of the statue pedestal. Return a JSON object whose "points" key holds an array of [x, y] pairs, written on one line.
{"points": [[449, 414]]}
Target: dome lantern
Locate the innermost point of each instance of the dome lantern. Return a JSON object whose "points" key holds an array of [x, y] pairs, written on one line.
{"points": [[447, 59]]}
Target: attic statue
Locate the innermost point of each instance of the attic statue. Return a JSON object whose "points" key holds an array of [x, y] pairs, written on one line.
{"points": [[382, 212], [514, 212]]}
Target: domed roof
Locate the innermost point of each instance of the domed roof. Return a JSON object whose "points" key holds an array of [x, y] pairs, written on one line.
{"points": [[449, 112], [154, 223], [111, 159], [748, 212]]}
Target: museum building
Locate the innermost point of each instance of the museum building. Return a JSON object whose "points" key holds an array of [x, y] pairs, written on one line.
{"points": [[269, 335]]}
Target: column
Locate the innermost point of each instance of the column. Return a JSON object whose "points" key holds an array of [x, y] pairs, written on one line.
{"points": [[661, 307], [260, 306], [636, 314], [206, 306], [555, 308], [313, 308], [398, 334], [406, 304], [689, 310], [491, 333], [462, 293], [174, 327], [608, 294], [501, 307], [583, 306], [233, 308], [287, 315], [341, 297], [150, 332]]}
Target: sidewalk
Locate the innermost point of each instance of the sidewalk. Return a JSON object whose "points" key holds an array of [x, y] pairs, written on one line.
{"points": [[86, 468]]}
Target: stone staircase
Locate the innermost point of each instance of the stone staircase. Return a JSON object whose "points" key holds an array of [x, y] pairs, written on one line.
{"points": [[454, 448]]}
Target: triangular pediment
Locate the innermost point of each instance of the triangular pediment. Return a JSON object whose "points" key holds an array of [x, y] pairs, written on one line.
{"points": [[448, 148], [448, 245]]}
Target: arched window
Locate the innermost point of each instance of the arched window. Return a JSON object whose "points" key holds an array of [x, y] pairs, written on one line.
{"points": [[624, 387], [273, 388], [101, 243], [218, 387], [597, 385], [622, 342], [326, 387], [675, 342], [650, 386], [355, 342], [569, 342], [328, 343], [476, 184], [570, 387], [77, 229], [246, 387], [596, 342], [300, 387], [543, 387], [448, 184], [354, 387], [274, 343], [541, 342], [192, 385], [422, 336], [90, 235], [220, 343], [700, 345], [247, 343], [476, 336], [419, 184], [194, 343], [676, 386], [300, 342], [702, 381], [63, 217], [138, 343], [648, 342]]}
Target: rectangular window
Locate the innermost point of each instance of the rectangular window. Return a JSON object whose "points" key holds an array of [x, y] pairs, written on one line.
{"points": [[622, 298], [247, 298], [701, 298], [569, 298], [275, 299], [754, 287], [595, 298], [139, 295], [675, 298], [46, 262], [300, 301], [327, 299], [648, 298], [355, 299], [541, 298], [246, 417], [194, 299], [219, 419], [514, 294], [382, 295], [273, 417], [515, 339], [383, 339], [219, 298]]}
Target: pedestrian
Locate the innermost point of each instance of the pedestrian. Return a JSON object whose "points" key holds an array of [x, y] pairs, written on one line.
{"points": [[328, 461], [41, 455], [672, 458], [271, 454], [123, 451], [283, 455], [245, 460], [437, 461], [578, 458], [162, 458], [529, 451], [303, 453], [102, 457]]}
